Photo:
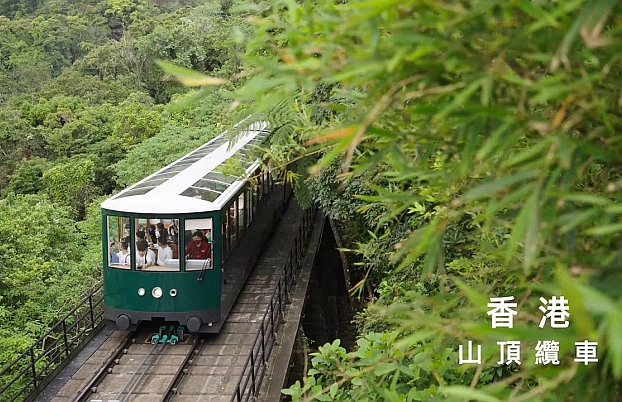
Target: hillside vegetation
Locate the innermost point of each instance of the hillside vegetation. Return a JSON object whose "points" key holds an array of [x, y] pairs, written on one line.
{"points": [[471, 149], [467, 150], [84, 112]]}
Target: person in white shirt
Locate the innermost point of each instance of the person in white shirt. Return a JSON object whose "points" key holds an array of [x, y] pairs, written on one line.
{"points": [[164, 251], [144, 257], [124, 253]]}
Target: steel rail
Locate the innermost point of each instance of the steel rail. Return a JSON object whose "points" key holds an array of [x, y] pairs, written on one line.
{"points": [[183, 369], [91, 387], [135, 373]]}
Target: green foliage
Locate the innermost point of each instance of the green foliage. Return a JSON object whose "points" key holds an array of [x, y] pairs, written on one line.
{"points": [[39, 244], [70, 184], [385, 366], [136, 119], [27, 177], [83, 112], [478, 147], [128, 11], [174, 140]]}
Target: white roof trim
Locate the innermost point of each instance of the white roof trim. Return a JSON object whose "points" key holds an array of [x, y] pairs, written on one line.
{"points": [[165, 198]]}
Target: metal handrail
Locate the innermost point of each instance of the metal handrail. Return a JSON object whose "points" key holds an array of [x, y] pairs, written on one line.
{"points": [[254, 368], [30, 372]]}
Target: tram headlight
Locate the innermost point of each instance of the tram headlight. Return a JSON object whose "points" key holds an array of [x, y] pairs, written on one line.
{"points": [[141, 292], [173, 292], [156, 292]]}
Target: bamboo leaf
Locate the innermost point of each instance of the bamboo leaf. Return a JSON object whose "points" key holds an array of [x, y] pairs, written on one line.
{"points": [[587, 199], [538, 14], [527, 154], [496, 139], [604, 230], [614, 335], [533, 229], [491, 188], [519, 230], [187, 76], [580, 318], [595, 301], [573, 219], [459, 99], [476, 298], [467, 393]]}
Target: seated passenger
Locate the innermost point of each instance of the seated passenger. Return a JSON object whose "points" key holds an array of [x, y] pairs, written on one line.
{"points": [[113, 257], [173, 231], [144, 257], [165, 253], [207, 233], [198, 249], [151, 235], [161, 232], [124, 253]]}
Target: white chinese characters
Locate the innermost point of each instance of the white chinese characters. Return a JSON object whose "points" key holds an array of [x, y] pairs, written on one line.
{"points": [[502, 313], [512, 352], [470, 359], [547, 352], [555, 310], [586, 352]]}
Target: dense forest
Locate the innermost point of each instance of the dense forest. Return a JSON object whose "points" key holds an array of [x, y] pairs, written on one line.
{"points": [[84, 112], [466, 150]]}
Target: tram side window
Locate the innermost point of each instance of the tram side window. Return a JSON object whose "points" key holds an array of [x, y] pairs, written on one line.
{"points": [[266, 183], [155, 247], [199, 250], [225, 237], [118, 235], [260, 189], [233, 225], [255, 195], [241, 216], [249, 203]]}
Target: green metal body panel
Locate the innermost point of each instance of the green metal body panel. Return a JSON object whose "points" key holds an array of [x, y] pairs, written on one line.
{"points": [[122, 291], [121, 285]]}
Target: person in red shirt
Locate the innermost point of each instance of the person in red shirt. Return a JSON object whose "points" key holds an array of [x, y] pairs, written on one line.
{"points": [[199, 249]]}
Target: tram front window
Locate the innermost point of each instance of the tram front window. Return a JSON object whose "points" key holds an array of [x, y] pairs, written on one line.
{"points": [[199, 251], [161, 253], [118, 235]]}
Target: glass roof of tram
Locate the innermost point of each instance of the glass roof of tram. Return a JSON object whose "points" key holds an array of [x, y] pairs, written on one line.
{"points": [[214, 183]]}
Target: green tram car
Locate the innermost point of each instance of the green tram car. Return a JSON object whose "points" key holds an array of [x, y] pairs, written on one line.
{"points": [[189, 195]]}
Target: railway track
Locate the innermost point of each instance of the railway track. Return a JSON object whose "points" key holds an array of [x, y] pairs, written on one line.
{"points": [[141, 370], [219, 367]]}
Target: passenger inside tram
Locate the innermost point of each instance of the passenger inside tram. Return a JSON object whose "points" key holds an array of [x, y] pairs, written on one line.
{"points": [[173, 231], [124, 254], [144, 256], [199, 248], [164, 252], [113, 257], [207, 235]]}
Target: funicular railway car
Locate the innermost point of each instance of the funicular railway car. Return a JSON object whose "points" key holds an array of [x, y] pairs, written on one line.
{"points": [[190, 279]]}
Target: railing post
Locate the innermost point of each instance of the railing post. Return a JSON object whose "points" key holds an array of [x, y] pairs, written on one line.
{"points": [[65, 337], [253, 374], [280, 297], [34, 369], [292, 267], [272, 316], [91, 311], [263, 343]]}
